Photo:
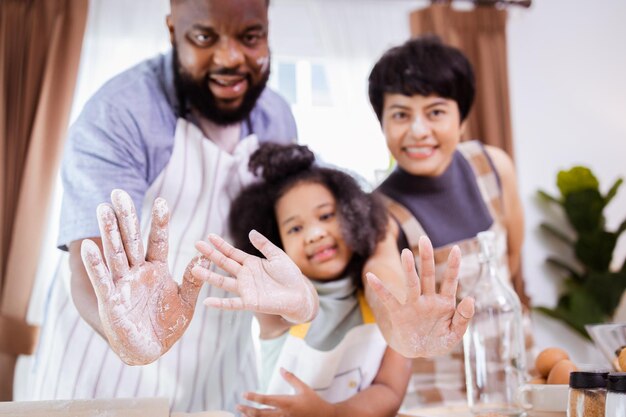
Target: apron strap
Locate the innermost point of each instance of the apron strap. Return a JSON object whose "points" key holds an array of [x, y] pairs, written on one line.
{"points": [[411, 227], [486, 177], [366, 311], [300, 330]]}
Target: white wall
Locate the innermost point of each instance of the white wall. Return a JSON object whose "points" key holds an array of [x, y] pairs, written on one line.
{"points": [[567, 65]]}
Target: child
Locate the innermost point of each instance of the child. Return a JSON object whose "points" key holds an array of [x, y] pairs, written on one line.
{"points": [[422, 92], [339, 363]]}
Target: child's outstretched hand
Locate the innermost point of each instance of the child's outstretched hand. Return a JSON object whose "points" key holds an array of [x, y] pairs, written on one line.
{"points": [[304, 403], [274, 285], [427, 323]]}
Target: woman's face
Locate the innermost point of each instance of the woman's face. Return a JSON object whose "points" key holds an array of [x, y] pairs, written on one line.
{"points": [[310, 231], [422, 132]]}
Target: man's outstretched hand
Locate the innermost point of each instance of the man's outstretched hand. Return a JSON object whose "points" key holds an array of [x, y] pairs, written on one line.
{"points": [[142, 309], [427, 323]]}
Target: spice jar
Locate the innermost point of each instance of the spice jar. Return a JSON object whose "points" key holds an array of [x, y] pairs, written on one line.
{"points": [[616, 394], [587, 394]]}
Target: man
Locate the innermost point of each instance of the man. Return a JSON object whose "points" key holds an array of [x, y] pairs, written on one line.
{"points": [[179, 126]]}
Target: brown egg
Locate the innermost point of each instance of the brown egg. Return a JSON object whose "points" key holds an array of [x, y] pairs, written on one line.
{"points": [[559, 374], [547, 358], [537, 381]]}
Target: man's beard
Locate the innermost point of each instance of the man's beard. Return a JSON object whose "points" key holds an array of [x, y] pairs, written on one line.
{"points": [[198, 95]]}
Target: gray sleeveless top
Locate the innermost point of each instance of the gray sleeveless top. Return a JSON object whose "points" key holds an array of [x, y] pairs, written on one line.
{"points": [[449, 207]]}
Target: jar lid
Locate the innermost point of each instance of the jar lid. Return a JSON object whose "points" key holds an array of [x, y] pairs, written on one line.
{"points": [[616, 382], [588, 379]]}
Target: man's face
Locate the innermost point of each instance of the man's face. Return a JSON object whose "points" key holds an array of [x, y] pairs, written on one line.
{"points": [[221, 55]]}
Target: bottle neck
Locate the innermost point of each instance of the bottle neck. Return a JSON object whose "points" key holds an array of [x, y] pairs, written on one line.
{"points": [[490, 269]]}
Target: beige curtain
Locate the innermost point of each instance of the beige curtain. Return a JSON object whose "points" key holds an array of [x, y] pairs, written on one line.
{"points": [[40, 42], [481, 34]]}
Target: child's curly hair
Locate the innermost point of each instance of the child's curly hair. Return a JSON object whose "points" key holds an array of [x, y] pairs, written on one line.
{"points": [[362, 216]]}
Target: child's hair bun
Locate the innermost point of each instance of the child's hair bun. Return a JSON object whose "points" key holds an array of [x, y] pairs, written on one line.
{"points": [[274, 162]]}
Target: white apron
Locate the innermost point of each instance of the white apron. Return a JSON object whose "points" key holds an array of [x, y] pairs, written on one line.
{"points": [[337, 374], [214, 362]]}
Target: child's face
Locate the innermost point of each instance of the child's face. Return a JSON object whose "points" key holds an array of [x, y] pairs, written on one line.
{"points": [[422, 132], [310, 231]]}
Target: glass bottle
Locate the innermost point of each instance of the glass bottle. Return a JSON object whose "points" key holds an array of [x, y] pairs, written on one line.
{"points": [[495, 359], [616, 395]]}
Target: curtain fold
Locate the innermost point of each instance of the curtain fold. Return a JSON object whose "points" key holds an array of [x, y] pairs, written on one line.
{"points": [[481, 34], [40, 43]]}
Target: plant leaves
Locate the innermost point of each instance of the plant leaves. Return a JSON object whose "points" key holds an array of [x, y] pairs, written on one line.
{"points": [[563, 315], [576, 179], [612, 191], [584, 210], [620, 229], [557, 263], [606, 289], [595, 249], [547, 197], [576, 309], [551, 230], [590, 295]]}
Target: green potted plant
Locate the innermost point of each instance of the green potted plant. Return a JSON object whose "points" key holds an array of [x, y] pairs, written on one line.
{"points": [[592, 291]]}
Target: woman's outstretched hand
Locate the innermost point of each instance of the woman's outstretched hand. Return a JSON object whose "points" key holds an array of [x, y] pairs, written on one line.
{"points": [[427, 323], [142, 309], [274, 285]]}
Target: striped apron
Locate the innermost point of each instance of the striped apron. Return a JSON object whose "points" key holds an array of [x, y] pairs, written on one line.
{"points": [[442, 379], [214, 361], [336, 374]]}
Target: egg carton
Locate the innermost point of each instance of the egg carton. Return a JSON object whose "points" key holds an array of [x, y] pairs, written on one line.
{"points": [[609, 338]]}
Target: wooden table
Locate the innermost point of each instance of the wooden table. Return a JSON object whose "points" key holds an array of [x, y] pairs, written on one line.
{"points": [[113, 407], [462, 411]]}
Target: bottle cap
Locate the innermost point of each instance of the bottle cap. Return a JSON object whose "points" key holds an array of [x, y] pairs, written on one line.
{"points": [[616, 382], [588, 379]]}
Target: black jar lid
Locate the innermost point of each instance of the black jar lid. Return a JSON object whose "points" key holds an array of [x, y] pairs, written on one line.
{"points": [[616, 382], [588, 379]]}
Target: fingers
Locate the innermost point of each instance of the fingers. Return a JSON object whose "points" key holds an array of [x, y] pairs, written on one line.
{"points": [[234, 303], [220, 259], [264, 246], [388, 300], [462, 316], [158, 241], [294, 381], [450, 277], [412, 280], [227, 249], [129, 226], [269, 400], [190, 286], [96, 269], [427, 264], [112, 246], [215, 279], [248, 411]]}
